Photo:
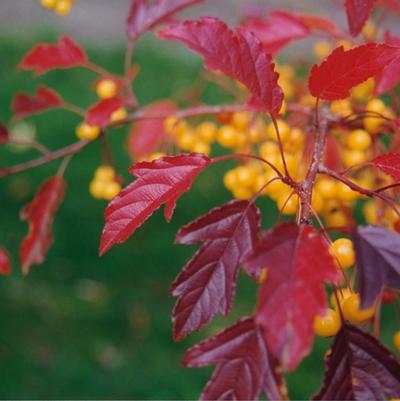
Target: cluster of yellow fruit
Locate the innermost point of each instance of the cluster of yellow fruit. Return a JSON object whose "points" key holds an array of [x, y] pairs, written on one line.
{"points": [[104, 184], [106, 88], [60, 7]]}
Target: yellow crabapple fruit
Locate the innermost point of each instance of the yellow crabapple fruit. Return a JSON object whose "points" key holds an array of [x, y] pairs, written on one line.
{"points": [[352, 311], [327, 325], [88, 132], [343, 250], [106, 88]]}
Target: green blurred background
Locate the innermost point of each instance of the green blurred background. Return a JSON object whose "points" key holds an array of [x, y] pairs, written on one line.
{"points": [[85, 327]]}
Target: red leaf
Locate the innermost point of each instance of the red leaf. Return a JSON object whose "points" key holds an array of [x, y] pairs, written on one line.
{"points": [[342, 70], [244, 365], [359, 367], [4, 134], [5, 267], [389, 163], [44, 99], [298, 262], [207, 284], [100, 113], [378, 261], [161, 181], [390, 76], [391, 4], [147, 135], [40, 213], [358, 12], [145, 17], [45, 57], [278, 30], [245, 61]]}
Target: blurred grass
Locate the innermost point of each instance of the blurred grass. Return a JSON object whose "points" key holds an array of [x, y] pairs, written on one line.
{"points": [[85, 327]]}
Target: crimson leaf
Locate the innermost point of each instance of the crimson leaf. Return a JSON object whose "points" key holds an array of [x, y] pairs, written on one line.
{"points": [[359, 367], [159, 182], [40, 213], [245, 61], [244, 365], [146, 135], [207, 283], [298, 263], [357, 12], [277, 30], [44, 99], [45, 57], [100, 113], [390, 76], [343, 70], [5, 267], [143, 16], [4, 134], [378, 261], [389, 163]]}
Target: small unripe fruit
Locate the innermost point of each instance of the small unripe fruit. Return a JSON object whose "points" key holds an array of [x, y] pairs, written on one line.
{"points": [[106, 88], [327, 325]]}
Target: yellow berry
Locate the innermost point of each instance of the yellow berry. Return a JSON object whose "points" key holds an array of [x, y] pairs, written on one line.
{"points": [[88, 132], [118, 115], [230, 179], [372, 124], [362, 92], [206, 131], [352, 157], [97, 188], [343, 250], [106, 88], [104, 173], [287, 203], [327, 325], [341, 107], [242, 193], [396, 340], [276, 187], [169, 124], [227, 136], [284, 131], [345, 193], [341, 294], [359, 140], [201, 147], [240, 120], [111, 190], [155, 156], [326, 188], [261, 180], [296, 136], [48, 3], [290, 161], [322, 49], [317, 202], [186, 140], [336, 218], [352, 311], [246, 176], [377, 106], [63, 7], [370, 212], [269, 149]]}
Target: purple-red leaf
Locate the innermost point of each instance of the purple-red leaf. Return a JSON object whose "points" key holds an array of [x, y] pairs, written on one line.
{"points": [[146, 135], [237, 53], [207, 284], [159, 182], [40, 213], [390, 76], [100, 113], [244, 366], [378, 261], [359, 367], [144, 16], [298, 263], [44, 99], [389, 163], [4, 134], [45, 57], [357, 12], [342, 70], [5, 266]]}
